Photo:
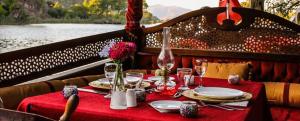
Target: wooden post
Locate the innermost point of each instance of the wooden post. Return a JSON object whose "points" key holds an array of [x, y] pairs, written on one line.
{"points": [[257, 4]]}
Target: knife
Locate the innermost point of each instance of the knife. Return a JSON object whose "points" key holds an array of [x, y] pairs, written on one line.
{"points": [[92, 91]]}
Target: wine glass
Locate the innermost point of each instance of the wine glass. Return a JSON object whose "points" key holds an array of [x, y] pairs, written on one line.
{"points": [[134, 78], [201, 67], [109, 72], [184, 74]]}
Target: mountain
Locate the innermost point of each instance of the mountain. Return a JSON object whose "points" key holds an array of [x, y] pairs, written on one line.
{"points": [[167, 12]]}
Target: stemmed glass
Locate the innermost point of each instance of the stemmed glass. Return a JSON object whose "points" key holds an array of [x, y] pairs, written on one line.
{"points": [[110, 71], [134, 78], [201, 68], [184, 74]]}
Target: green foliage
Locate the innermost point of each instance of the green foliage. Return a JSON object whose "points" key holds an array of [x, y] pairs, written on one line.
{"points": [[77, 11], [92, 11], [283, 8], [245, 4]]}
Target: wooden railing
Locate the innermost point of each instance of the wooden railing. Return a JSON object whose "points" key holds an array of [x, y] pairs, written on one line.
{"points": [[36, 62], [259, 35]]}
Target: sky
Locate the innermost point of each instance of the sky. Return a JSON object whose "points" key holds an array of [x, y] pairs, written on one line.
{"points": [[189, 4]]}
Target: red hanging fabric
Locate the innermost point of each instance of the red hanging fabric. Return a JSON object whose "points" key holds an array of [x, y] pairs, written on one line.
{"points": [[233, 16], [134, 14]]}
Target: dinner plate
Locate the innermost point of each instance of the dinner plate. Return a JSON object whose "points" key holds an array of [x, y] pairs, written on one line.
{"points": [[132, 80], [192, 95], [166, 105], [218, 92], [104, 84], [169, 83], [159, 78]]}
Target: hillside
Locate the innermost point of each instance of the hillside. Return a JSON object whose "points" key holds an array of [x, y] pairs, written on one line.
{"points": [[167, 12]]}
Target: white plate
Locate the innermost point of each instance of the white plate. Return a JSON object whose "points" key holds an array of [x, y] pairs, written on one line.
{"points": [[166, 105], [218, 92], [102, 81], [132, 80], [169, 83], [159, 78]]}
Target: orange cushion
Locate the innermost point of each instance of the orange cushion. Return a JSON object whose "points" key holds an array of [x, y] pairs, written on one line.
{"points": [[223, 70], [279, 93], [13, 95], [78, 81]]}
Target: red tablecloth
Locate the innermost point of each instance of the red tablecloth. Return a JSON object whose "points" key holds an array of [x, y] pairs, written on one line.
{"points": [[94, 107]]}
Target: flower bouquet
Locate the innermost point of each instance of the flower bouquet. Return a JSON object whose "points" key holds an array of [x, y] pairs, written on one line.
{"points": [[118, 52]]}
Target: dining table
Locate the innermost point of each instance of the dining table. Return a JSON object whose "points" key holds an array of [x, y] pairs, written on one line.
{"points": [[95, 107]]}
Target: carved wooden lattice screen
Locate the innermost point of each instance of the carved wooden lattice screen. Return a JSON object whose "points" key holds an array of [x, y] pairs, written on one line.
{"points": [[23, 65], [258, 32]]}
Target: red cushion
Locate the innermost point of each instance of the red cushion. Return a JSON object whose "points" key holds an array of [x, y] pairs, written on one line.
{"points": [[285, 114], [263, 71]]}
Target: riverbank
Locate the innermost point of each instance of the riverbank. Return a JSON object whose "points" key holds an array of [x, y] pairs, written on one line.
{"points": [[11, 21]]}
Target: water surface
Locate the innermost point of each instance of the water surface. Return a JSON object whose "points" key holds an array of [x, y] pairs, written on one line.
{"points": [[14, 37]]}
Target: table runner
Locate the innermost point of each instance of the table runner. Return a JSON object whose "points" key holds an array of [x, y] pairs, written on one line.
{"points": [[94, 107]]}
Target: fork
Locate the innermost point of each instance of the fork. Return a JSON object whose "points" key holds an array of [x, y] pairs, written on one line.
{"points": [[224, 107]]}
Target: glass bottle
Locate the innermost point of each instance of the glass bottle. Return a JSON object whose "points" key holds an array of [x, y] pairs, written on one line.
{"points": [[165, 62], [166, 58]]}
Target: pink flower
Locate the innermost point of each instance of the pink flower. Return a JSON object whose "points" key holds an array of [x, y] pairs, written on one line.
{"points": [[122, 50]]}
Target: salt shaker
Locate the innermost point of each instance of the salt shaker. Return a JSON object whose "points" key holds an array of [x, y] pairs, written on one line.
{"points": [[131, 98], [189, 109], [69, 90]]}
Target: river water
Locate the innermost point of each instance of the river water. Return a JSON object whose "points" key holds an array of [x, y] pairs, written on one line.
{"points": [[15, 37]]}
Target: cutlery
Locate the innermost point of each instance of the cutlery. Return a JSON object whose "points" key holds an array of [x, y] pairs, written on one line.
{"points": [[92, 91], [224, 107], [235, 108], [178, 93]]}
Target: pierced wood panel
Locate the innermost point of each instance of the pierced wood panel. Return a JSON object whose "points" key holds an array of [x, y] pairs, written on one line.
{"points": [[22, 67], [260, 35]]}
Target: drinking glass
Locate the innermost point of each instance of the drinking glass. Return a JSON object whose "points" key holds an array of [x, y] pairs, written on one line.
{"points": [[201, 67], [134, 78], [109, 72], [181, 74]]}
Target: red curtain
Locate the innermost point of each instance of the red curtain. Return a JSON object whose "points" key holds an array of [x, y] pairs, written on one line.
{"points": [[233, 16], [134, 14]]}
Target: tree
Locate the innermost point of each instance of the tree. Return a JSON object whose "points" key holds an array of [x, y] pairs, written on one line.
{"points": [[283, 8], [257, 4]]}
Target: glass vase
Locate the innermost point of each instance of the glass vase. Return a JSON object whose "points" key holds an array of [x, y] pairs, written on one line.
{"points": [[165, 62], [118, 96]]}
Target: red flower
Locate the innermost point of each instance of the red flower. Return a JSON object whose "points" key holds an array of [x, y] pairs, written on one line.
{"points": [[122, 50]]}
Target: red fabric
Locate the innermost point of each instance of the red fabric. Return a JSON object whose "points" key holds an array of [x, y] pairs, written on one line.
{"points": [[266, 70], [233, 16], [262, 71], [94, 107], [279, 71], [134, 14], [285, 114]]}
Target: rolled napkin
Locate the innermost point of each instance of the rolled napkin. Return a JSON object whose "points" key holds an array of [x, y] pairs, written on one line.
{"points": [[239, 104], [233, 79]]}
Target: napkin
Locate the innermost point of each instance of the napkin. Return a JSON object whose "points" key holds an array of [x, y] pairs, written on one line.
{"points": [[239, 104]]}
